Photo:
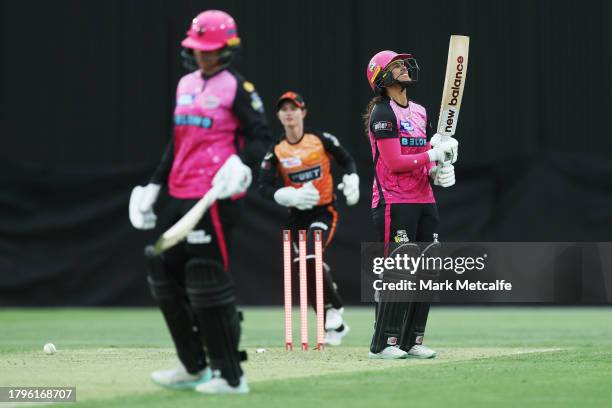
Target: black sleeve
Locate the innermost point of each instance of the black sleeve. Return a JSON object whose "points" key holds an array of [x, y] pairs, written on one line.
{"points": [[267, 175], [160, 176], [383, 123], [249, 110], [431, 130], [339, 153]]}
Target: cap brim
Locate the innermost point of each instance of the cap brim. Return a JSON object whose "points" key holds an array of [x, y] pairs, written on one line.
{"points": [[198, 45], [296, 103]]}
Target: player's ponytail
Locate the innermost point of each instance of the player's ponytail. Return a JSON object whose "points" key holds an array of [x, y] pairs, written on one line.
{"points": [[368, 112]]}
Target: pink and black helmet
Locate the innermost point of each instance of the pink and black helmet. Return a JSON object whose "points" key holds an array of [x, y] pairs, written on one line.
{"points": [[212, 30], [379, 77]]}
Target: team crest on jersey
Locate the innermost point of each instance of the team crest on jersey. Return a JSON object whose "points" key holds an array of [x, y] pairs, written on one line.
{"points": [[314, 156], [211, 102], [291, 162], [406, 125], [185, 99], [382, 125]]}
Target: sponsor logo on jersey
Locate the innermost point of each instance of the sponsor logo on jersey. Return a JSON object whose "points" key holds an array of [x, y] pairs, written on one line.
{"points": [[210, 102], [185, 99], [406, 125], [193, 120], [382, 125], [413, 141], [290, 162], [256, 102], [248, 86], [305, 175]]}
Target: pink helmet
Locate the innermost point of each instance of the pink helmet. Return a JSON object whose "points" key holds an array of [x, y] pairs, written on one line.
{"points": [[377, 78], [212, 30]]}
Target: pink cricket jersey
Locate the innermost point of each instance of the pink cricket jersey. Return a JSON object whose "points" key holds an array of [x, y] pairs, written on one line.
{"points": [[407, 126], [205, 130]]}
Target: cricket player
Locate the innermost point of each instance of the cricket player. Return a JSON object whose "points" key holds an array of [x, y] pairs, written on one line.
{"points": [[219, 131], [301, 161], [403, 203]]}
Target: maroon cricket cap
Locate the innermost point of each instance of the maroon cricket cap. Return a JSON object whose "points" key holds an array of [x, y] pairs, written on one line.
{"points": [[293, 97]]}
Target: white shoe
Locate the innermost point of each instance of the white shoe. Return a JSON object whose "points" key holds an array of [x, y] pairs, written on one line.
{"points": [[421, 351], [333, 318], [179, 379], [219, 385], [334, 338], [389, 353]]}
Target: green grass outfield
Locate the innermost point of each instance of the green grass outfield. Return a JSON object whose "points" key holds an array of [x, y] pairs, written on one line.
{"points": [[488, 357]]}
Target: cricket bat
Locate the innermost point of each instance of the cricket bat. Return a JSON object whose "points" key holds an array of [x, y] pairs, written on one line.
{"points": [[454, 84], [187, 223]]}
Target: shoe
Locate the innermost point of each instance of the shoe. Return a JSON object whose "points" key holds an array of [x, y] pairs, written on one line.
{"points": [[334, 337], [219, 385], [179, 379], [389, 353], [421, 351], [333, 318]]}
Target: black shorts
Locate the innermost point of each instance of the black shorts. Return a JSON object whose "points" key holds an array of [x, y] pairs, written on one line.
{"points": [[211, 237], [418, 221], [323, 218]]}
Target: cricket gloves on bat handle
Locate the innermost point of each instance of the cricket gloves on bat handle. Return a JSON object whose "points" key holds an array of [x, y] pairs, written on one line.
{"points": [[234, 177], [445, 149], [141, 212]]}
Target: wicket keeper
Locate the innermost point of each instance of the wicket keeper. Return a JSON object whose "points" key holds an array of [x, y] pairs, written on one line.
{"points": [[301, 161]]}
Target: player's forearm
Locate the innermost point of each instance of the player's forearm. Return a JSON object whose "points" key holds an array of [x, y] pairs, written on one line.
{"points": [[391, 155], [344, 159], [266, 184], [341, 156], [160, 176], [255, 148]]}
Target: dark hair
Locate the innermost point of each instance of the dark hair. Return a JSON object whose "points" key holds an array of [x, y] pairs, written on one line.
{"points": [[368, 112]]}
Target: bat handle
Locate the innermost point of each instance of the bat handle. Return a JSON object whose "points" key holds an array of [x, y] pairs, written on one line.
{"points": [[447, 156]]}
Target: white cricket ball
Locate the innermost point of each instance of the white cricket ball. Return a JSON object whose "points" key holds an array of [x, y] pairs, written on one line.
{"points": [[49, 348], [260, 350]]}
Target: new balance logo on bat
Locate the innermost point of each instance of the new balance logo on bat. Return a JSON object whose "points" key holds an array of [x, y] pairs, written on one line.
{"points": [[450, 114]]}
